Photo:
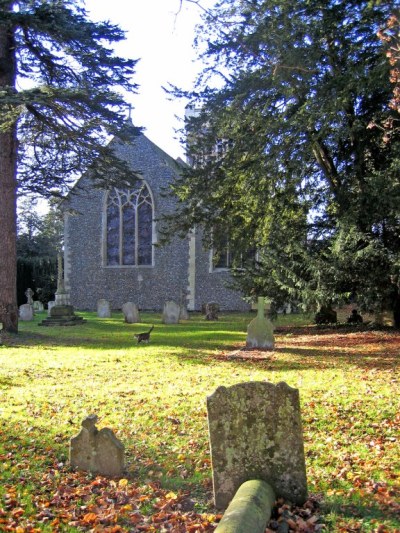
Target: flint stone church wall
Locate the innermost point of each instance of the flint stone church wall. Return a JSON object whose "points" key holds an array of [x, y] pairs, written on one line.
{"points": [[88, 278]]}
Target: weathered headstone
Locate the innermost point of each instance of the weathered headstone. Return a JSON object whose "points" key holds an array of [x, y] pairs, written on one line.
{"points": [[260, 331], [97, 451], [38, 306], [183, 313], [326, 315], [212, 310], [103, 308], [26, 312], [50, 305], [131, 313], [256, 433], [171, 312]]}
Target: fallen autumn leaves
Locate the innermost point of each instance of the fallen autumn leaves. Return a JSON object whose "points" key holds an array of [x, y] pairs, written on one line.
{"points": [[348, 384]]}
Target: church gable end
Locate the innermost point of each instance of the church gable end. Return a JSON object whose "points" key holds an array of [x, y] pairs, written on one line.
{"points": [[111, 247]]}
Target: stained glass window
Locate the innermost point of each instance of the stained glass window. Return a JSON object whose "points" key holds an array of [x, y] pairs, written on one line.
{"points": [[129, 227]]}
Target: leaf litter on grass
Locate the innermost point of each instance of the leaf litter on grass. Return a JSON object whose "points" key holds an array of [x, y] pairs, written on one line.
{"points": [[154, 397]]}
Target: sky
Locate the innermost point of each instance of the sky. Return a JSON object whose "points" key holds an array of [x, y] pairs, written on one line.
{"points": [[160, 35]]}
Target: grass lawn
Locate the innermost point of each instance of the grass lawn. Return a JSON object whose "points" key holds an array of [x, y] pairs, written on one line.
{"points": [[153, 397]]}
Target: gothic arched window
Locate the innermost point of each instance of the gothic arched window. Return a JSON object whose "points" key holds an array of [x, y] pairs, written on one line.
{"points": [[129, 226]]}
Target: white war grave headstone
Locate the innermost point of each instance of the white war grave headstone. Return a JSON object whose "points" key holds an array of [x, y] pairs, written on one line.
{"points": [[256, 433]]}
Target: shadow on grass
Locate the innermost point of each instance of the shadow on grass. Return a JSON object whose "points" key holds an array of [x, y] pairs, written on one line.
{"points": [[198, 341], [359, 510]]}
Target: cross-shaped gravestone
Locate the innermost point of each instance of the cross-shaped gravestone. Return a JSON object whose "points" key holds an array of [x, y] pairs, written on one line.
{"points": [[29, 296], [260, 332]]}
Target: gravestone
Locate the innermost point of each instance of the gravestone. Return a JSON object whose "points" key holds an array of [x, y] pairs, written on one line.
{"points": [[326, 315], [103, 308], [62, 315], [131, 313], [26, 312], [256, 433], [260, 331], [212, 310], [50, 305], [29, 296], [183, 313], [97, 451], [355, 317], [38, 306], [60, 312], [171, 312]]}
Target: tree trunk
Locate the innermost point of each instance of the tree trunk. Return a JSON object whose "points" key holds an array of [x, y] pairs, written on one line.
{"points": [[8, 189]]}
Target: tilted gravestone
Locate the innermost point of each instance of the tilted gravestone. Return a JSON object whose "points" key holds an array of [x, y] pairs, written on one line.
{"points": [[171, 312], [131, 313], [103, 308], [256, 433], [97, 451]]}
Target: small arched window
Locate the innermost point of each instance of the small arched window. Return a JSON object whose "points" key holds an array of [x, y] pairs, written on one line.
{"points": [[129, 227]]}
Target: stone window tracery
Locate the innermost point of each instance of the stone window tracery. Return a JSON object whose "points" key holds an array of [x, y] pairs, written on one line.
{"points": [[129, 227]]}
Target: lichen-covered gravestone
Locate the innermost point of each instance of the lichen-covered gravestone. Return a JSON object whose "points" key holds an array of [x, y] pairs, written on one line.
{"points": [[260, 331], [256, 433], [97, 451]]}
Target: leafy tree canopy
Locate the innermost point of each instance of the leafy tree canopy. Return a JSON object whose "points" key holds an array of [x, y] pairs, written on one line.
{"points": [[303, 176], [65, 93], [61, 96]]}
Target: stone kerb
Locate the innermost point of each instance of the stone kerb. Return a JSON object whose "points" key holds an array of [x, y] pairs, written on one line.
{"points": [[97, 451], [256, 433]]}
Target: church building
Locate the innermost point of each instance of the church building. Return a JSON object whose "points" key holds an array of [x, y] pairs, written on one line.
{"points": [[111, 242]]}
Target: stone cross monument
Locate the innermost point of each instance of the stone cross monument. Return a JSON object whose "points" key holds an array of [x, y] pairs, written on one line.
{"points": [[260, 331], [61, 297]]}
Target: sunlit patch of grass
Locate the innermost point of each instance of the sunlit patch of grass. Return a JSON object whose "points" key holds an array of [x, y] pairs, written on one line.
{"points": [[153, 396]]}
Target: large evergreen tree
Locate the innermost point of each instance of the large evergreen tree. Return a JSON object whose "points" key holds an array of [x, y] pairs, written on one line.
{"points": [[294, 88], [60, 96]]}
